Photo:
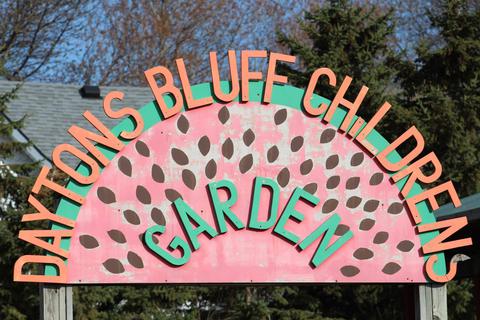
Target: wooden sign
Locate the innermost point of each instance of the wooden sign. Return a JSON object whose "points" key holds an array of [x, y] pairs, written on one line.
{"points": [[240, 182]]}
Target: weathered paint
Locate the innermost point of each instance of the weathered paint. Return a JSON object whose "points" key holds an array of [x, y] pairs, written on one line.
{"points": [[243, 255], [284, 95]]}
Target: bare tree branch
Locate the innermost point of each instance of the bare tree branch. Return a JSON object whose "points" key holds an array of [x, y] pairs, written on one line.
{"points": [[33, 33]]}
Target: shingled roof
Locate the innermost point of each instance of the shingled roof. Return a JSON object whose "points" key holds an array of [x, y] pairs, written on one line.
{"points": [[51, 108]]}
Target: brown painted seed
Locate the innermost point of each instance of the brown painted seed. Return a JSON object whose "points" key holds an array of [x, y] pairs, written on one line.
{"points": [[283, 177], [131, 217], [280, 116], [306, 167], [405, 245], [88, 241], [142, 148], [223, 115], [179, 157], [117, 236], [366, 224], [349, 271], [376, 179], [211, 169], [332, 161], [380, 237], [353, 202], [333, 182], [363, 254], [182, 124], [158, 217], [125, 166], [157, 174], [189, 179], [352, 183], [143, 195], [135, 260], [106, 195], [311, 188], [395, 208], [172, 194], [341, 230], [204, 145], [248, 137], [391, 268], [357, 159], [245, 163], [327, 135], [329, 205], [227, 148], [296, 143], [371, 205], [113, 266], [272, 154]]}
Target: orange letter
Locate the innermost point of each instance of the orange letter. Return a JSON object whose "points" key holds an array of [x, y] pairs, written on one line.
{"points": [[42, 180], [435, 277], [332, 80], [410, 133], [362, 136], [416, 173], [58, 262], [80, 178], [44, 214], [84, 136], [247, 75], [137, 117], [272, 76], [340, 100], [34, 237], [452, 226], [168, 87], [187, 89], [232, 61], [430, 196]]}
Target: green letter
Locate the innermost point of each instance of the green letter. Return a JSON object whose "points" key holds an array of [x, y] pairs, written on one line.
{"points": [[290, 211], [187, 214], [324, 251], [222, 209], [258, 184], [174, 244]]}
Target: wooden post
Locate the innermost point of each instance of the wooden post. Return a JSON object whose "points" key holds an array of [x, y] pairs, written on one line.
{"points": [[56, 302], [431, 302]]}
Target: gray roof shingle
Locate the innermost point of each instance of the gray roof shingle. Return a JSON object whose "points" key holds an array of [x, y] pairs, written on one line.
{"points": [[51, 108]]}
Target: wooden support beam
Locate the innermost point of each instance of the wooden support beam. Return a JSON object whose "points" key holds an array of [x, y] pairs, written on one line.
{"points": [[431, 302], [56, 302]]}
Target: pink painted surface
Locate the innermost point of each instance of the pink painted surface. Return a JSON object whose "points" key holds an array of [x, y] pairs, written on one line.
{"points": [[245, 255]]}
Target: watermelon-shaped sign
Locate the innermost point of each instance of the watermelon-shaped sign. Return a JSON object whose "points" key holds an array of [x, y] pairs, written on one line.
{"points": [[239, 192], [238, 143]]}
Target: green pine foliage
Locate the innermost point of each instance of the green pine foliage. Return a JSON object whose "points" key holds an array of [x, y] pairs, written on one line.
{"points": [[138, 302], [15, 185], [441, 89], [351, 40]]}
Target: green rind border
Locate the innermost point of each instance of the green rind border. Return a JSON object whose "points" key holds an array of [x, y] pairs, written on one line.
{"points": [[281, 94]]}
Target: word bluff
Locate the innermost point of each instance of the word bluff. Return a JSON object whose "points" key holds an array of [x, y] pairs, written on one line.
{"points": [[410, 166]]}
